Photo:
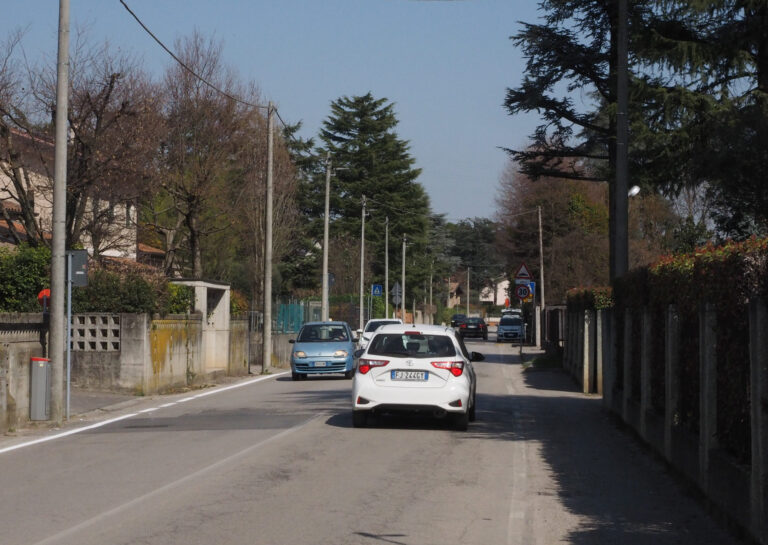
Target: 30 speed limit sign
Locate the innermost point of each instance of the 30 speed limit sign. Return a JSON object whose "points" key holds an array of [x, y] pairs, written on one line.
{"points": [[522, 291]]}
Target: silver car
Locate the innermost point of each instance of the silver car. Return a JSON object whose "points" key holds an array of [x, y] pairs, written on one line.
{"points": [[510, 328]]}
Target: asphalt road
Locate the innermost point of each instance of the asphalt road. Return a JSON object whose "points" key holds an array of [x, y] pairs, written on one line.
{"points": [[278, 462]]}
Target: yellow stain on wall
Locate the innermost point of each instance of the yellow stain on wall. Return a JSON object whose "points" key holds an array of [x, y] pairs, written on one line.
{"points": [[162, 341]]}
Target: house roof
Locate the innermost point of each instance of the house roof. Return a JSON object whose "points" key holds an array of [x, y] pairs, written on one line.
{"points": [[147, 249]]}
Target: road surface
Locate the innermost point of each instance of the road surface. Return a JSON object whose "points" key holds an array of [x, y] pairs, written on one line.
{"points": [[274, 462]]}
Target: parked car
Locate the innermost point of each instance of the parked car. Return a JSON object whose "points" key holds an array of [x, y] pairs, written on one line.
{"points": [[458, 319], [415, 369], [474, 327], [321, 348], [510, 328], [371, 327]]}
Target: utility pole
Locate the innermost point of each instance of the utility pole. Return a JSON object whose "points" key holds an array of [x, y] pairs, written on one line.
{"points": [[362, 267], [58, 250], [467, 291], [431, 265], [541, 262], [402, 300], [619, 252], [324, 297], [386, 267], [267, 329]]}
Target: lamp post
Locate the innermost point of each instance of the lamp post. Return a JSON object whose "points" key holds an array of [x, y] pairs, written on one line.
{"points": [[619, 252]]}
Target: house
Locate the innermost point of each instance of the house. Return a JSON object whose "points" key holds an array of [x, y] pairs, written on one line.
{"points": [[496, 294], [111, 227]]}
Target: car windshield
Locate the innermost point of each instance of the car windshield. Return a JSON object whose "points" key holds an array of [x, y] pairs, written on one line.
{"points": [[509, 320], [474, 320], [322, 333], [412, 346], [373, 326]]}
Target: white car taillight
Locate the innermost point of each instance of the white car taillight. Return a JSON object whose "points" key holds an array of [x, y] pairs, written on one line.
{"points": [[455, 367], [366, 365]]}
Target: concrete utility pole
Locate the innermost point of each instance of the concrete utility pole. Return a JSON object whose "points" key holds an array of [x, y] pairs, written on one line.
{"points": [[541, 262], [386, 267], [619, 252], [324, 297], [362, 269], [58, 244], [267, 329], [467, 291], [402, 300]]}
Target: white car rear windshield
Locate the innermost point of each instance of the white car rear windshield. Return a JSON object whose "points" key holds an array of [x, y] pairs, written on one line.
{"points": [[411, 346], [373, 326]]}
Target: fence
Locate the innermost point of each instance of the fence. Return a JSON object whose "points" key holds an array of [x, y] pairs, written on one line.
{"points": [[703, 405]]}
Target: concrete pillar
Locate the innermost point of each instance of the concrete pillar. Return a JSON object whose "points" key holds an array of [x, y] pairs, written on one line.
{"points": [[708, 392], [671, 377], [579, 363], [645, 371], [609, 358], [3, 401], [599, 349], [586, 353], [758, 356], [626, 364], [537, 325]]}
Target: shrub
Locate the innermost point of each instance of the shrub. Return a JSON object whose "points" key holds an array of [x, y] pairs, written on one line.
{"points": [[24, 271], [181, 299]]}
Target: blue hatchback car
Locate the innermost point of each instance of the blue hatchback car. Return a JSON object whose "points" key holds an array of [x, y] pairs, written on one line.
{"points": [[323, 347]]}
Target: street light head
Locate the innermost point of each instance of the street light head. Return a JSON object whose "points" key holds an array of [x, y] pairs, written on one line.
{"points": [[634, 190]]}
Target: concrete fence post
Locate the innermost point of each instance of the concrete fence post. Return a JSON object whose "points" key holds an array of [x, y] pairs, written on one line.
{"points": [[599, 350], [758, 356], [645, 371], [708, 391], [671, 377], [3, 401], [578, 369], [567, 336], [609, 357], [587, 352], [627, 365]]}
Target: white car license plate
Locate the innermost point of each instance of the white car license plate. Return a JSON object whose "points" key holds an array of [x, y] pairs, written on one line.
{"points": [[409, 375], [320, 364]]}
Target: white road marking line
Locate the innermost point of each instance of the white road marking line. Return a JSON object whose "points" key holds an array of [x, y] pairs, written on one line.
{"points": [[66, 433], [175, 484], [123, 417]]}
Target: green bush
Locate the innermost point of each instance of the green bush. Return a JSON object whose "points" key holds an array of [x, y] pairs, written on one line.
{"points": [[24, 271], [181, 299]]}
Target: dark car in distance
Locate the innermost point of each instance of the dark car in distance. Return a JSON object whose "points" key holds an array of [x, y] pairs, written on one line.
{"points": [[474, 327], [458, 319]]}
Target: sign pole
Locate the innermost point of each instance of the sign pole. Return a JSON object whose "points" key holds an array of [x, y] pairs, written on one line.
{"points": [[69, 328]]}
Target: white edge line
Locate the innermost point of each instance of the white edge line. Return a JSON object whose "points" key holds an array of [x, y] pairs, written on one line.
{"points": [[125, 416], [67, 433]]}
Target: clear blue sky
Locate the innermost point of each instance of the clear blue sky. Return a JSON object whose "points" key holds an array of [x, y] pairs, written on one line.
{"points": [[445, 64]]}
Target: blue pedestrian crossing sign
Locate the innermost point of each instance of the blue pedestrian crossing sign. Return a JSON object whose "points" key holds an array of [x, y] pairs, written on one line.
{"points": [[377, 290]]}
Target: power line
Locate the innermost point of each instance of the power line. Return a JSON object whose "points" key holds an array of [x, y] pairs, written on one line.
{"points": [[188, 69]]}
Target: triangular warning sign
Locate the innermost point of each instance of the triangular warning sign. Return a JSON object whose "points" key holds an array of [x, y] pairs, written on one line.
{"points": [[523, 273]]}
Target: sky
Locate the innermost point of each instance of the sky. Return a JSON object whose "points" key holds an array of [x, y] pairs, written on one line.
{"points": [[445, 64]]}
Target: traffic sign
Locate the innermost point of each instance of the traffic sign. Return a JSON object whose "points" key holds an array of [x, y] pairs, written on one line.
{"points": [[522, 291], [523, 273], [396, 299], [396, 290], [377, 290]]}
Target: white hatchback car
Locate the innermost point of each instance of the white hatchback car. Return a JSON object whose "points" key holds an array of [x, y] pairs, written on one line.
{"points": [[371, 327], [415, 368]]}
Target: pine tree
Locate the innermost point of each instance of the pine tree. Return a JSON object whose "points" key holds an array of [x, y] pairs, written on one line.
{"points": [[373, 161]]}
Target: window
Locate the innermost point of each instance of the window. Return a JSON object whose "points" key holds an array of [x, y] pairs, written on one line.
{"points": [[414, 346]]}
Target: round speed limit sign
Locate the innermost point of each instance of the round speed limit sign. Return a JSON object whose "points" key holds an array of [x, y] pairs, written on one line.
{"points": [[522, 291]]}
